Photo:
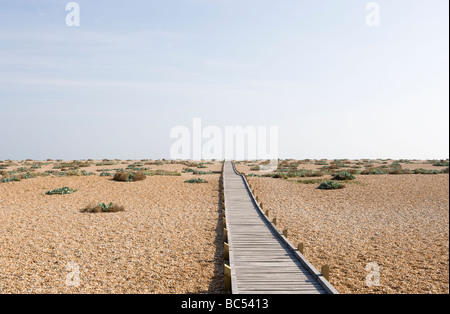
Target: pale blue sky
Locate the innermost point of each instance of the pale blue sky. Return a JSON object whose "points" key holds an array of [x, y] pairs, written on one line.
{"points": [[115, 86]]}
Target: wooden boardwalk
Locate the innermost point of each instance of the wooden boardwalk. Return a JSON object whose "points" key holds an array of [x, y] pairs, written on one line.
{"points": [[262, 261]]}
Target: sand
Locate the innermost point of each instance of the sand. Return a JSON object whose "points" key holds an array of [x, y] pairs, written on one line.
{"points": [[167, 241], [399, 222]]}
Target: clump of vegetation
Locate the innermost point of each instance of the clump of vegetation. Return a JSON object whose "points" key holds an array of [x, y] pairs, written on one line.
{"points": [[289, 173], [441, 163], [121, 176], [136, 167], [287, 164], [23, 169], [186, 163], [161, 172], [14, 176], [343, 176], [198, 180], [75, 173], [72, 173], [137, 176], [372, 171], [202, 172], [103, 208], [9, 179], [424, 171], [330, 185], [399, 171], [105, 174], [129, 176], [189, 170], [311, 174], [310, 181], [338, 164], [61, 191], [330, 167], [279, 176], [71, 165], [255, 168], [105, 163]]}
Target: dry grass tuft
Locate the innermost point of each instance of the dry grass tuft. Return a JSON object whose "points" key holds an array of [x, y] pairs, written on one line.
{"points": [[121, 176], [139, 176], [129, 176], [103, 208]]}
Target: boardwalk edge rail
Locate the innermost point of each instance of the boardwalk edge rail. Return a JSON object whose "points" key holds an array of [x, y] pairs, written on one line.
{"points": [[312, 270], [234, 287]]}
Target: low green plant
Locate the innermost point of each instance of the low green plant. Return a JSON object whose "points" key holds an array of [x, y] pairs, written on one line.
{"points": [[397, 171], [373, 171], [87, 174], [343, 176], [197, 172], [310, 181], [311, 174], [23, 169], [197, 180], [73, 173], [105, 163], [330, 185], [61, 191], [9, 179], [161, 172], [103, 208], [276, 175], [424, 171]]}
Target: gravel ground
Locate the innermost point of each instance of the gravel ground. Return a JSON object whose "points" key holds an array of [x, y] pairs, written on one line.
{"points": [[399, 222], [167, 240]]}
